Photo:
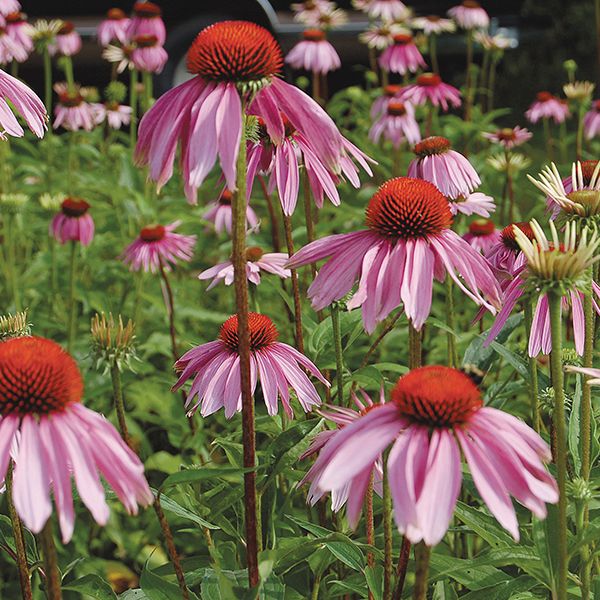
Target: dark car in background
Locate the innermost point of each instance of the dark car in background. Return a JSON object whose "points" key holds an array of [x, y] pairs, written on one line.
{"points": [[184, 19]]}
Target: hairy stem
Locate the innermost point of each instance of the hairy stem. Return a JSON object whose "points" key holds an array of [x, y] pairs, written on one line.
{"points": [[560, 428], [339, 356], [451, 322], [422, 556], [71, 300], [241, 300], [287, 223], [388, 569], [133, 101], [51, 571], [21, 551], [533, 377]]}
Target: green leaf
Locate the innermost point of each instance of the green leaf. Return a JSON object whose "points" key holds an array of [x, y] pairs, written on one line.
{"points": [[157, 588], [484, 525], [374, 577], [316, 530], [574, 427], [503, 591], [443, 590], [202, 474], [348, 553], [171, 506], [91, 585]]}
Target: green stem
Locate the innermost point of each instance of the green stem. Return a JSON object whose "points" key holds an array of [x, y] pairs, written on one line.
{"points": [[21, 551], [450, 321], [415, 353], [388, 568], [133, 101], [241, 301], [422, 556], [51, 571], [170, 306], [492, 84], [70, 77], [339, 356], [71, 300], [48, 83], [433, 53], [308, 216], [560, 429], [484, 84], [14, 68], [148, 81], [469, 84], [370, 527], [12, 260], [533, 376], [509, 188], [115, 375]]}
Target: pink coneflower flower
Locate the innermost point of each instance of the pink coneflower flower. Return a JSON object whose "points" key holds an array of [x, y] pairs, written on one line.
{"points": [[256, 261], [220, 215], [591, 121], [380, 105], [284, 160], [381, 35], [71, 111], [506, 257], [397, 125], [25, 102], [215, 368], [407, 245], [343, 416], [474, 204], [435, 415], [310, 11], [592, 374], [470, 15], [230, 59], [9, 6], [430, 88], [482, 235], [148, 55], [450, 171], [67, 41], [540, 338], [386, 10], [159, 247], [114, 113], [114, 28], [509, 138], [73, 222], [147, 20], [52, 438], [20, 31], [314, 53], [10, 49], [120, 56], [548, 106], [433, 25], [402, 56]]}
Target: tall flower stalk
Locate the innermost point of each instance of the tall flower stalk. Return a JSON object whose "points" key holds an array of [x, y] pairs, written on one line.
{"points": [[241, 302]]}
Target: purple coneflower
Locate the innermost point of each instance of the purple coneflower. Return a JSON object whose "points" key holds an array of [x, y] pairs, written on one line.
{"points": [[350, 492], [147, 20], [386, 10], [397, 124], [476, 203], [548, 106], [470, 15], [9, 6], [402, 56], [20, 31], [10, 49], [447, 169], [505, 256], [25, 102], [309, 12], [232, 61], [115, 114], [407, 245], [148, 54], [158, 246], [215, 368], [508, 137], [435, 415], [591, 121], [67, 41], [256, 261], [314, 53], [381, 35], [433, 25], [73, 222], [430, 89], [52, 438], [482, 235], [220, 215], [114, 28], [390, 92], [72, 112]]}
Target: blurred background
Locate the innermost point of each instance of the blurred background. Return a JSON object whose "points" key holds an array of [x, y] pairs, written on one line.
{"points": [[544, 33]]}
